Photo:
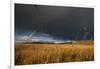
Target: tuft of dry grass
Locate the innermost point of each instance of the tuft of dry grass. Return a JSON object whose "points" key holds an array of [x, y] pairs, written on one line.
{"points": [[52, 53]]}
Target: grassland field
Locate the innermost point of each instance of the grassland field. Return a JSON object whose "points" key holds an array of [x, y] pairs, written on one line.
{"points": [[26, 54]]}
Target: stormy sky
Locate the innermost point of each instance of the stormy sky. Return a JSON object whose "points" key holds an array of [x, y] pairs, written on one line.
{"points": [[58, 21]]}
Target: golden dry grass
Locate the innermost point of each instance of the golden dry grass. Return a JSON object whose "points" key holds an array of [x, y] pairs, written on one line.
{"points": [[52, 53]]}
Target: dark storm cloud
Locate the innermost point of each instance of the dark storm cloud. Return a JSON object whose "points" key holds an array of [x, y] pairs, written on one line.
{"points": [[54, 20]]}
